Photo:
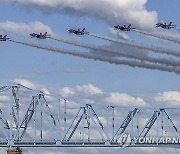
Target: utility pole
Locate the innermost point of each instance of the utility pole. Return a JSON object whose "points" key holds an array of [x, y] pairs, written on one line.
{"points": [[113, 124], [65, 117]]}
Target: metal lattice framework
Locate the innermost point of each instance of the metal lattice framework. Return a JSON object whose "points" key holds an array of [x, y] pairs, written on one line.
{"points": [[38, 125]]}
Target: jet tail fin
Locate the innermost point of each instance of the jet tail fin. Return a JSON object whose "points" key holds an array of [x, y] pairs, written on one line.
{"points": [[5, 36], [129, 26], [45, 33], [170, 23], [83, 30]]}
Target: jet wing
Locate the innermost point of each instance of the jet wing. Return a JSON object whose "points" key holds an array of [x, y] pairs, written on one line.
{"points": [[34, 35], [119, 27], [71, 31], [159, 24]]}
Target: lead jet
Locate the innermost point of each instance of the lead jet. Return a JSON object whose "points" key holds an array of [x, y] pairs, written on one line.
{"points": [[165, 25], [78, 31], [123, 28], [40, 35], [4, 38]]}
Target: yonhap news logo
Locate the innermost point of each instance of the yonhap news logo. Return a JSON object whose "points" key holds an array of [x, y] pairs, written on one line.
{"points": [[124, 140]]}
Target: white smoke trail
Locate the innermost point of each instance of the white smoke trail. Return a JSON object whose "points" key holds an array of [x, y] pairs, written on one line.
{"points": [[120, 53], [140, 46], [160, 36], [102, 58], [177, 28]]}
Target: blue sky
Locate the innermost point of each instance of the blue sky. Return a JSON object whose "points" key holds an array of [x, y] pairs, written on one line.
{"points": [[62, 73], [50, 69]]}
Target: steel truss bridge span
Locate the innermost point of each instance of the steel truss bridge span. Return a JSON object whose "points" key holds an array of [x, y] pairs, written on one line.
{"points": [[30, 118]]}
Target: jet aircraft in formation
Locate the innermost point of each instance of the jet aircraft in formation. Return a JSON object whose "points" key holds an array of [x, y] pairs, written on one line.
{"points": [[124, 28], [83, 32], [4, 38], [40, 35], [165, 25], [78, 31]]}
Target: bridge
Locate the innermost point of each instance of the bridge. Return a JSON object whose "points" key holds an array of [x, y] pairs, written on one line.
{"points": [[31, 118]]}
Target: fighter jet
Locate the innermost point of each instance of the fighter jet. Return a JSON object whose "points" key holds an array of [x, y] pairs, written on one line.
{"points": [[4, 38], [123, 28], [40, 35], [78, 31], [165, 25]]}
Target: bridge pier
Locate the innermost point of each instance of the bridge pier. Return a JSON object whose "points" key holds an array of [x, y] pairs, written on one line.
{"points": [[14, 151]]}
